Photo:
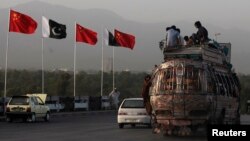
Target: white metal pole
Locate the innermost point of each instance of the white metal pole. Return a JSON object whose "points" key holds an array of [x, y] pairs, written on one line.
{"points": [[42, 65], [6, 64], [102, 66], [113, 68], [42, 58], [75, 64]]}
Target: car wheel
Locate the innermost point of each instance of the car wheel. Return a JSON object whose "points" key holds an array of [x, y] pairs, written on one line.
{"points": [[121, 125], [33, 118], [133, 125], [47, 117], [24, 119], [149, 125], [8, 119]]}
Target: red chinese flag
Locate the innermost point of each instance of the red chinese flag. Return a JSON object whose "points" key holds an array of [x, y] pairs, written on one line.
{"points": [[124, 40], [85, 35], [21, 23]]}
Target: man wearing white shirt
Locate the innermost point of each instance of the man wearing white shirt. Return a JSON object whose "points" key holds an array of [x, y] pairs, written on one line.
{"points": [[172, 37]]}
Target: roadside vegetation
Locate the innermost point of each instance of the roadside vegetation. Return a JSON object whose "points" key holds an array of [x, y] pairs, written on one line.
{"points": [[60, 83]]}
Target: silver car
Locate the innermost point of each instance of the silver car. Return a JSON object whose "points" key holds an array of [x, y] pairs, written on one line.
{"points": [[28, 107]]}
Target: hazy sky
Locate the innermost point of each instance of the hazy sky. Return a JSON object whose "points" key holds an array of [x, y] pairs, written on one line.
{"points": [[225, 15], [229, 13]]}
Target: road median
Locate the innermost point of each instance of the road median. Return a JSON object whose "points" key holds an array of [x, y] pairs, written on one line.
{"points": [[75, 113], [59, 114]]}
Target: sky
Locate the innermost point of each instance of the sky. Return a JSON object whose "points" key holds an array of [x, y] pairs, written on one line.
{"points": [[225, 14], [220, 11]]}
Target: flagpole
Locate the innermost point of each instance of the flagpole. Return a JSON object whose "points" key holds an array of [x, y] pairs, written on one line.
{"points": [[42, 65], [75, 64], [6, 64], [42, 58], [113, 68], [102, 66]]}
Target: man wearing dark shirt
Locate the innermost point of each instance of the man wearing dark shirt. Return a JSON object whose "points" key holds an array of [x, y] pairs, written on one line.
{"points": [[202, 34], [145, 93]]}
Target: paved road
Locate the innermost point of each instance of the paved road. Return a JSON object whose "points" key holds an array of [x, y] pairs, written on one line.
{"points": [[245, 119], [94, 127]]}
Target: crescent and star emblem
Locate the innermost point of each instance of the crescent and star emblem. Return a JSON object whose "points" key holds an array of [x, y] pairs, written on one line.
{"points": [[54, 29]]}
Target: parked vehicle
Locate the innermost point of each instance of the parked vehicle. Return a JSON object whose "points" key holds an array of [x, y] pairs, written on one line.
{"points": [[248, 106], [3, 104], [1, 108], [81, 104], [27, 107], [106, 103], [132, 111], [54, 106]]}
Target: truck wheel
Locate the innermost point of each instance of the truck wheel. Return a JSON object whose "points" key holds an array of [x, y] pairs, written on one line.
{"points": [[221, 118], [24, 119], [47, 117], [121, 125]]}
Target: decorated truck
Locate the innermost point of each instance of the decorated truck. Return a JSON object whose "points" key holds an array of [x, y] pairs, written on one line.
{"points": [[194, 86]]}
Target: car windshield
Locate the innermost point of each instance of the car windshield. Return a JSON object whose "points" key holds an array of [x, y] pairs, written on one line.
{"points": [[81, 101], [133, 104], [19, 100], [105, 100]]}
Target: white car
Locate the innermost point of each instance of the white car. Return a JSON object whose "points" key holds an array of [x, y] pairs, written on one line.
{"points": [[28, 108], [54, 106], [81, 104], [105, 103], [132, 111]]}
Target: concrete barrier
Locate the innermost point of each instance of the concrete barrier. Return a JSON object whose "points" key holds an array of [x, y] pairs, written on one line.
{"points": [[77, 113]]}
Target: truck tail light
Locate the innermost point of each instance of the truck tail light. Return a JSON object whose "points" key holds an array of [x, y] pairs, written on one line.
{"points": [[28, 109], [142, 113], [122, 113]]}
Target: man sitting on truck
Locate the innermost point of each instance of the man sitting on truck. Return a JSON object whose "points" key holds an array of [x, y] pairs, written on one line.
{"points": [[172, 36], [202, 34]]}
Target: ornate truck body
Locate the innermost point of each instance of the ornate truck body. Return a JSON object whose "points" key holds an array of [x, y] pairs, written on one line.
{"points": [[194, 86]]}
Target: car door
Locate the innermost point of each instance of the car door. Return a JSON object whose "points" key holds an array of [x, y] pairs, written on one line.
{"points": [[42, 107], [35, 108]]}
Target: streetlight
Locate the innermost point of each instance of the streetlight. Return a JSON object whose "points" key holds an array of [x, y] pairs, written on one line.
{"points": [[216, 34]]}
